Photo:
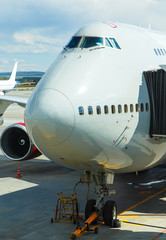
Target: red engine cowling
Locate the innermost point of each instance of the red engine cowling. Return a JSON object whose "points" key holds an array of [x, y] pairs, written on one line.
{"points": [[16, 144]]}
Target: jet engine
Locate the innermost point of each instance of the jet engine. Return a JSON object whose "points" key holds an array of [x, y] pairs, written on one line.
{"points": [[16, 144]]}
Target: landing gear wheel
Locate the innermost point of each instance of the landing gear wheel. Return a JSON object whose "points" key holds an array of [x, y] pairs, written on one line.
{"points": [[73, 237], [117, 223], [110, 213], [89, 209], [96, 230]]}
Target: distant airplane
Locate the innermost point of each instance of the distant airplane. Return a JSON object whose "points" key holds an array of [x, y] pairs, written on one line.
{"points": [[100, 108], [8, 85]]}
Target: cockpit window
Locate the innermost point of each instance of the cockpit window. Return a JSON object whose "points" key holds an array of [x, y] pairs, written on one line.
{"points": [[107, 43], [88, 42], [111, 42], [91, 42], [114, 43], [74, 42]]}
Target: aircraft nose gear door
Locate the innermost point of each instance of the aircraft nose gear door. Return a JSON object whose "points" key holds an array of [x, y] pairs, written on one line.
{"points": [[156, 84]]}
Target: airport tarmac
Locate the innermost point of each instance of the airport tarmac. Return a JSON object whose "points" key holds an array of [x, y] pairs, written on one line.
{"points": [[27, 204]]}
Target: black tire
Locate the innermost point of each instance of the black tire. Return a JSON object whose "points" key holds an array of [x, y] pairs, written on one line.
{"points": [[110, 213], [73, 237], [90, 208], [96, 230]]}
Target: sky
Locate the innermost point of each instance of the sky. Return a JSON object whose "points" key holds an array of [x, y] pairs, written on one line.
{"points": [[33, 32]]}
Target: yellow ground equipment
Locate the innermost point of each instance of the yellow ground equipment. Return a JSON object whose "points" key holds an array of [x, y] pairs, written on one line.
{"points": [[66, 208], [86, 227]]}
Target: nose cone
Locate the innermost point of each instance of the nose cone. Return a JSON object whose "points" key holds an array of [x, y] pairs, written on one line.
{"points": [[49, 118]]}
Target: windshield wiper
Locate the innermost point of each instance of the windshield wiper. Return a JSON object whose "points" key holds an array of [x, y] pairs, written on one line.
{"points": [[96, 48]]}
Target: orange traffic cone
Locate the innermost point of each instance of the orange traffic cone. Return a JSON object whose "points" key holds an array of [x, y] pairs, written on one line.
{"points": [[18, 173]]}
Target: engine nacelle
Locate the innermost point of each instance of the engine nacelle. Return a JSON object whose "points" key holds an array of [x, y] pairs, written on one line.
{"points": [[16, 144]]}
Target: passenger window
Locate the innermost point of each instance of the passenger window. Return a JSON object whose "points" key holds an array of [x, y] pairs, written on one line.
{"points": [[98, 110], [159, 51], [90, 110], [131, 108], [81, 110], [106, 109], [142, 107], [155, 51], [113, 109], [147, 107], [119, 108], [125, 108], [162, 51], [136, 107], [114, 43], [107, 43]]}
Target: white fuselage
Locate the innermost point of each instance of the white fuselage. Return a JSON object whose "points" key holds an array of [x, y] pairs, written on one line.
{"points": [[106, 84], [7, 85]]}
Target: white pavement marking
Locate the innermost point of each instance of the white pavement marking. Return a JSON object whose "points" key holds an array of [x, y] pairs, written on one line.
{"points": [[10, 185]]}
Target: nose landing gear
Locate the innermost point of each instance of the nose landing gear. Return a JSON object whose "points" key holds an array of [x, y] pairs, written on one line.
{"points": [[96, 208], [107, 210]]}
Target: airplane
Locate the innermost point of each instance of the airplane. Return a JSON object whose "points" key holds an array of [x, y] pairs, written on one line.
{"points": [[99, 108], [7, 85]]}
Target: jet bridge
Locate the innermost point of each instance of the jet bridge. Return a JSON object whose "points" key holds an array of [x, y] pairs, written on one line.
{"points": [[156, 84]]}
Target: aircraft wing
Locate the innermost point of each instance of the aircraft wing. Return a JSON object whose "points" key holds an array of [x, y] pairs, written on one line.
{"points": [[6, 101]]}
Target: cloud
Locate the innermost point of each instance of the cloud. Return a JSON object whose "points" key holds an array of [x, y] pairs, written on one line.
{"points": [[32, 41], [25, 49], [67, 15], [4, 61], [6, 64], [34, 36], [39, 29]]}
